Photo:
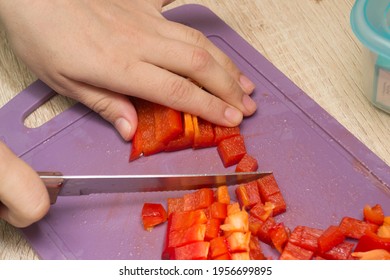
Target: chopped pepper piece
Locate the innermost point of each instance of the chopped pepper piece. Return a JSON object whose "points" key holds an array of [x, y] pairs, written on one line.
{"points": [[231, 150], [153, 214]]}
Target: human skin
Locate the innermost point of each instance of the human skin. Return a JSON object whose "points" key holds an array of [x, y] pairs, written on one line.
{"points": [[101, 52]]}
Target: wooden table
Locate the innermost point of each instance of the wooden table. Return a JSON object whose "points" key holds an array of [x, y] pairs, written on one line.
{"points": [[310, 41]]}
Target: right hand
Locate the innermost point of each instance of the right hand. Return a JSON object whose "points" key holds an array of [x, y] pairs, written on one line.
{"points": [[23, 196]]}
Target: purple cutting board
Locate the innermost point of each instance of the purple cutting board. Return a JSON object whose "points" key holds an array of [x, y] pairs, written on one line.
{"points": [[323, 171]]}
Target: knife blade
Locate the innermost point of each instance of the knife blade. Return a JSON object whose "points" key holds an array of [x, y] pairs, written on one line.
{"points": [[58, 184]]}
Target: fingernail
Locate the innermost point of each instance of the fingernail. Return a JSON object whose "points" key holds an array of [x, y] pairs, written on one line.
{"points": [[249, 104], [247, 85], [233, 115], [123, 127]]}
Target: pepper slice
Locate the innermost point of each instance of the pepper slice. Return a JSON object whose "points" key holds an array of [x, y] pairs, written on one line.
{"points": [[153, 214]]}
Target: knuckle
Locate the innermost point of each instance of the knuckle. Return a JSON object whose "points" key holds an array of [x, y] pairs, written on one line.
{"points": [[196, 37], [200, 59], [102, 107], [177, 91]]}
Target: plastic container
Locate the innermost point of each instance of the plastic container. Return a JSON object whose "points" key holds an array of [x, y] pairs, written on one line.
{"points": [[370, 21]]}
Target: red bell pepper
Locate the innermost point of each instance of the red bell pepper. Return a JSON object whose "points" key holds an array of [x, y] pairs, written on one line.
{"points": [[222, 195], [371, 241], [255, 251], [231, 150], [183, 236], [193, 251], [248, 194], [212, 229], [330, 238], [200, 199], [186, 139], [374, 214], [237, 221], [254, 224], [267, 186], [238, 241], [263, 232], [355, 228], [144, 141], [247, 164], [306, 237], [294, 252], [218, 210], [262, 211], [168, 123], [175, 204], [153, 214], [240, 256], [180, 220], [222, 132], [341, 251], [203, 133], [218, 247], [279, 205], [279, 236]]}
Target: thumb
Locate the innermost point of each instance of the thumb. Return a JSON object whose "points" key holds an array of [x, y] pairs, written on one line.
{"points": [[23, 196], [113, 107]]}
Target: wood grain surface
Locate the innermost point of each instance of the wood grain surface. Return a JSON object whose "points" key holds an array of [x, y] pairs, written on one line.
{"points": [[310, 41]]}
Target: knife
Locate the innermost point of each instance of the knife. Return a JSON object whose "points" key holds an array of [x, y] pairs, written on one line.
{"points": [[58, 184]]}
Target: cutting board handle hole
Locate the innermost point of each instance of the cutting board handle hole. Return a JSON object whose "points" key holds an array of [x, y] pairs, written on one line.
{"points": [[48, 110]]}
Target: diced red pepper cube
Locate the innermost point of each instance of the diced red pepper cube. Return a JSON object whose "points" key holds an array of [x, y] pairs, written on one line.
{"points": [[212, 229], [238, 241], [355, 228], [294, 252], [218, 247], [231, 150], [218, 210], [180, 237], [330, 238], [222, 132], [193, 251], [341, 251], [199, 199], [248, 194], [262, 211], [153, 214], [254, 224], [175, 204], [267, 186], [237, 221], [306, 237], [278, 202], [255, 251], [279, 236], [240, 256], [247, 164], [223, 257], [263, 233], [222, 195], [180, 220]]}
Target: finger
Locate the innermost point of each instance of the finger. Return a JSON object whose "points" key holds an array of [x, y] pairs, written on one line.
{"points": [[24, 198], [113, 107], [198, 64], [166, 88], [194, 37]]}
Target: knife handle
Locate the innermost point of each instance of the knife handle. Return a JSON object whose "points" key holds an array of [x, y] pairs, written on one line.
{"points": [[53, 184]]}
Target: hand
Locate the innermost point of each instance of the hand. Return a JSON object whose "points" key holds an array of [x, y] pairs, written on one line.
{"points": [[23, 197], [100, 52]]}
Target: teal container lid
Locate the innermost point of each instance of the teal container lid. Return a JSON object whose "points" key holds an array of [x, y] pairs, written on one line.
{"points": [[370, 21]]}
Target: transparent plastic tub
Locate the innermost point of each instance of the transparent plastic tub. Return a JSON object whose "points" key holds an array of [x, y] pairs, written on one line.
{"points": [[370, 21]]}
